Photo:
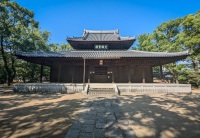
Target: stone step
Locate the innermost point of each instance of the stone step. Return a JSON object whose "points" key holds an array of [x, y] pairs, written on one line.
{"points": [[99, 90], [95, 88], [101, 93], [100, 87]]}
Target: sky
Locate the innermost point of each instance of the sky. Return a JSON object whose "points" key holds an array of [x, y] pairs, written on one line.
{"points": [[132, 17]]}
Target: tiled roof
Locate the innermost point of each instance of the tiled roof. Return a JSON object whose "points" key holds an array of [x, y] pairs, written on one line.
{"points": [[101, 54], [92, 35]]}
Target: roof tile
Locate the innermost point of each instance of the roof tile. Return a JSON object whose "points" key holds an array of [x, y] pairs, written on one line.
{"points": [[93, 35], [101, 54]]}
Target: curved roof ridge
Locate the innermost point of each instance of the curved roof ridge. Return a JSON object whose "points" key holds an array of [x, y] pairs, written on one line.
{"points": [[165, 52], [127, 37], [102, 31], [146, 51]]}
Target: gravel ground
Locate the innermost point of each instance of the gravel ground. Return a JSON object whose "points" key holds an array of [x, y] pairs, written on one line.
{"points": [[51, 115]]}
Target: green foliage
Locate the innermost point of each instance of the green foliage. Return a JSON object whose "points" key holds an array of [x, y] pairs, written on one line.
{"points": [[3, 73], [65, 47], [18, 31], [175, 36], [60, 47], [31, 39], [145, 43], [28, 72], [194, 78], [176, 71], [190, 37], [54, 47], [190, 77], [166, 36]]}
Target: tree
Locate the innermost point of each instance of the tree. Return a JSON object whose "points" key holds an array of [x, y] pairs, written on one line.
{"points": [[54, 47], [65, 47], [145, 43], [18, 31], [190, 37], [60, 47], [174, 36], [164, 38], [2, 71]]}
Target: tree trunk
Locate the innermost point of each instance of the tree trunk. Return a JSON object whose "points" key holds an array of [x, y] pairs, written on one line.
{"points": [[174, 75], [195, 66], [161, 73], [5, 62], [175, 78], [177, 82], [24, 80], [13, 68]]}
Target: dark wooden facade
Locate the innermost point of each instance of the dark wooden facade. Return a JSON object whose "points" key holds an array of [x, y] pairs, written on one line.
{"points": [[111, 62], [114, 73]]}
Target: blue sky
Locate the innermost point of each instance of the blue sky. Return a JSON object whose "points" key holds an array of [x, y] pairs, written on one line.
{"points": [[132, 17]]}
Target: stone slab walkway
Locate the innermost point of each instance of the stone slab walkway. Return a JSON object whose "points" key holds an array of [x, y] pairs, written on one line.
{"points": [[101, 117]]}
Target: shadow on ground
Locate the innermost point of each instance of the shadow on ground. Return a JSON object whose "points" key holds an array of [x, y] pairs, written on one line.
{"points": [[51, 115], [37, 115], [163, 115]]}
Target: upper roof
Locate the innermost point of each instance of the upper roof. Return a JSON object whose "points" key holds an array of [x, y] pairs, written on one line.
{"points": [[102, 54], [101, 40], [101, 35]]}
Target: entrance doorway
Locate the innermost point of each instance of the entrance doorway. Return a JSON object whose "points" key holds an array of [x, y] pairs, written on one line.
{"points": [[101, 75]]}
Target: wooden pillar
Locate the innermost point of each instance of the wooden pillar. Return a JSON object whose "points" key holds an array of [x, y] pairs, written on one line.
{"points": [[41, 73], [83, 73], [151, 68], [129, 74], [161, 73], [50, 77], [89, 69], [73, 68], [113, 75], [143, 74], [59, 73]]}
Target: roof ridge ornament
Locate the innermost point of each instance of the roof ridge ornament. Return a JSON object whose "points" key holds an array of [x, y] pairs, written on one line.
{"points": [[101, 31], [84, 32], [118, 31]]}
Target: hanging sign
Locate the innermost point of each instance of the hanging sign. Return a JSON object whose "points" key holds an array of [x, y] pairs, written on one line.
{"points": [[101, 46]]}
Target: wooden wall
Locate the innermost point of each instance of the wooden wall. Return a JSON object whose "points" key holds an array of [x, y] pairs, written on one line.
{"points": [[120, 74]]}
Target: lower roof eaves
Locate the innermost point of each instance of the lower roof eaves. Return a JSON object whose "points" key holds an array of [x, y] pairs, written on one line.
{"points": [[92, 54]]}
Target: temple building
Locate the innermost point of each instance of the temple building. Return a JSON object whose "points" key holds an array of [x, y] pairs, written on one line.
{"points": [[101, 57]]}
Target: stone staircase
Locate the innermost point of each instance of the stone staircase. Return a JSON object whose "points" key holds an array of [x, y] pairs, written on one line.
{"points": [[101, 89]]}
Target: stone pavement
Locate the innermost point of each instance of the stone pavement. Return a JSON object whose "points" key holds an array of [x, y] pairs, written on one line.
{"points": [[101, 117]]}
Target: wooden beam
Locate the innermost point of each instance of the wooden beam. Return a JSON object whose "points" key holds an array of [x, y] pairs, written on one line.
{"points": [[59, 73], [83, 74], [73, 68], [161, 73], [129, 74], [143, 75], [50, 77], [89, 69], [113, 75]]}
